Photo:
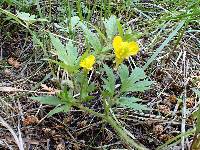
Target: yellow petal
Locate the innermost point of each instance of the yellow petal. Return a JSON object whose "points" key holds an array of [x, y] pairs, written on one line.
{"points": [[88, 62], [117, 41], [91, 61], [118, 52], [122, 50], [133, 48]]}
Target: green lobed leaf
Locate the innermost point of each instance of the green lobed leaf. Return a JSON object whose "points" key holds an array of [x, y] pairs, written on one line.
{"points": [[130, 102], [109, 82], [111, 26], [92, 38], [128, 82], [107, 48], [59, 109], [87, 89], [123, 73], [88, 98], [139, 86], [137, 74], [29, 18], [66, 95], [67, 54], [49, 100], [60, 49], [72, 53], [68, 68], [130, 99]]}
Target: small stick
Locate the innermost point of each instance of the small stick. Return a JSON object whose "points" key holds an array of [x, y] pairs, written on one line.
{"points": [[18, 140], [184, 101]]}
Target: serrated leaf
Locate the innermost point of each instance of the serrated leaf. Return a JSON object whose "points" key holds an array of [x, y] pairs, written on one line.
{"points": [[87, 89], [140, 86], [134, 106], [91, 38], [137, 74], [72, 53], [123, 73], [66, 96], [130, 102], [59, 109], [127, 37], [67, 68], [29, 18], [49, 100], [107, 48], [111, 26], [109, 82], [87, 98], [133, 83], [91, 87], [60, 49], [130, 99], [67, 54]]}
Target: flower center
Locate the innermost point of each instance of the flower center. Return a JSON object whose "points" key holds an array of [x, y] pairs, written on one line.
{"points": [[123, 50]]}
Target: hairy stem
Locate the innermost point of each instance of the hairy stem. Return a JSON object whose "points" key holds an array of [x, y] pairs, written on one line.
{"points": [[114, 125], [123, 135]]}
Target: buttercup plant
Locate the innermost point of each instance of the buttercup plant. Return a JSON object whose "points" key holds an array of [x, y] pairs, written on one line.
{"points": [[78, 91], [92, 70]]}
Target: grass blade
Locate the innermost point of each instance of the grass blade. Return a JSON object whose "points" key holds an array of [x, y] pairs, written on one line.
{"points": [[158, 50]]}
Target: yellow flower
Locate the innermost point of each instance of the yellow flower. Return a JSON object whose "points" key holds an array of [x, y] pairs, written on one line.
{"points": [[88, 62], [123, 50]]}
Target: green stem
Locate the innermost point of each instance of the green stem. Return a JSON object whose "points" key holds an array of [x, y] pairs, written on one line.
{"points": [[123, 135], [83, 82], [106, 107], [114, 125], [89, 110]]}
